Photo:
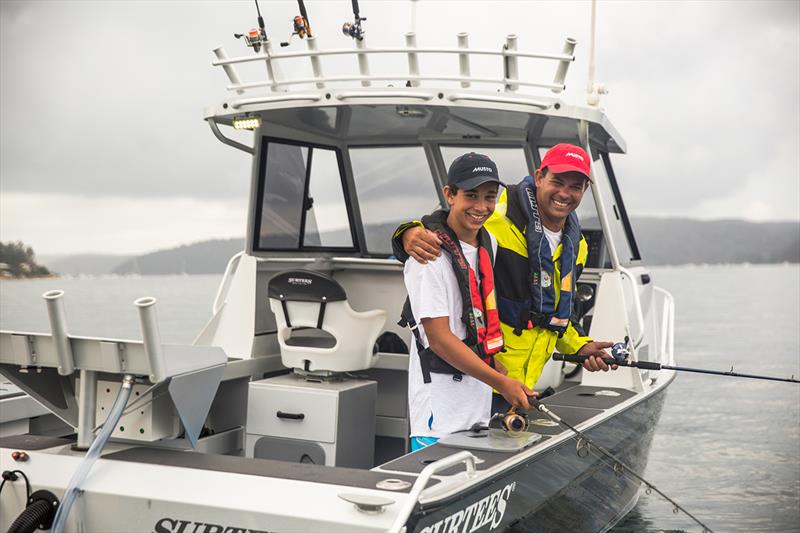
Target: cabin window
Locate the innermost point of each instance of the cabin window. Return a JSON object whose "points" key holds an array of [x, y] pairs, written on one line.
{"points": [[394, 185], [511, 165], [302, 199]]}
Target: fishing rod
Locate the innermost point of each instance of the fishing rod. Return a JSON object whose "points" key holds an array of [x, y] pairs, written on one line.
{"points": [[301, 26], [620, 353], [586, 445], [255, 38], [354, 30]]}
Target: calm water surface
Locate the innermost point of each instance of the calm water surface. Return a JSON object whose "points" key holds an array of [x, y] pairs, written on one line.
{"points": [[726, 449]]}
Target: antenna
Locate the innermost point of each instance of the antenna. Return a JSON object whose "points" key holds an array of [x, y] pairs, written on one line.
{"points": [[301, 26], [593, 89], [354, 30]]}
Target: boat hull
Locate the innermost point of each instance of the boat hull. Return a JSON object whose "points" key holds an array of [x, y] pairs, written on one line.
{"points": [[558, 490]]}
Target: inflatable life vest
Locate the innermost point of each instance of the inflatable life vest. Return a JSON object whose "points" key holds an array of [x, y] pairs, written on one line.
{"points": [[479, 312], [526, 287]]}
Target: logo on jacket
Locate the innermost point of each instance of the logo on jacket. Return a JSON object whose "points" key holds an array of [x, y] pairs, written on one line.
{"points": [[547, 280]]}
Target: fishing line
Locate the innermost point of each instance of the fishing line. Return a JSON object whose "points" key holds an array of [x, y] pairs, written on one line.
{"points": [[586, 445]]}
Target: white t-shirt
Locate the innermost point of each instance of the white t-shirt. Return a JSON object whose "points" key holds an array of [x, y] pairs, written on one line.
{"points": [[553, 238], [439, 408]]}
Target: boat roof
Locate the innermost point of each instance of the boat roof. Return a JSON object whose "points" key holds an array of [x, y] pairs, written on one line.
{"points": [[404, 105]]}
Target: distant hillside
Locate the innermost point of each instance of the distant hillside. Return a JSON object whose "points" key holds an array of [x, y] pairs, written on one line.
{"points": [[675, 241], [662, 241], [92, 264], [207, 257]]}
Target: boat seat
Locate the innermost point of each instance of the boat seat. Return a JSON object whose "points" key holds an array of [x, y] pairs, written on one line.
{"points": [[318, 331]]}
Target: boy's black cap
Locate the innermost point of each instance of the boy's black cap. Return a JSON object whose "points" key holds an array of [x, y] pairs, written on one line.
{"points": [[471, 170]]}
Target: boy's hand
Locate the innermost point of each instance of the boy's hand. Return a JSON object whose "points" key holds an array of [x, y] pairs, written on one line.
{"points": [[516, 393], [421, 244]]}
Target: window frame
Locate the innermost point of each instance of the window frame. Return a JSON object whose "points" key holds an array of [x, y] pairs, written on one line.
{"points": [[262, 179]]}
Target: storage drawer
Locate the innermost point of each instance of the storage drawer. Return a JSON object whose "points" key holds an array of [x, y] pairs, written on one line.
{"points": [[295, 413]]}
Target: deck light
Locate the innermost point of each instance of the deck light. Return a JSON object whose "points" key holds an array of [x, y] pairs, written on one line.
{"points": [[247, 123]]}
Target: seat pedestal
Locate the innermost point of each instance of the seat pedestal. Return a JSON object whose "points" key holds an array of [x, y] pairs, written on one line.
{"points": [[328, 422]]}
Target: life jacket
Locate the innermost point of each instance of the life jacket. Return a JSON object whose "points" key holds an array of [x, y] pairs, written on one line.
{"points": [[526, 285], [479, 312]]}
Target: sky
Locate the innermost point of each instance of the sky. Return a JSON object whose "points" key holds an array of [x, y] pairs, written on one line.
{"points": [[103, 147]]}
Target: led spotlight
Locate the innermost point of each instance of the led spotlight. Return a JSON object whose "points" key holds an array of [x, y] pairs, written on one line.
{"points": [[247, 123]]}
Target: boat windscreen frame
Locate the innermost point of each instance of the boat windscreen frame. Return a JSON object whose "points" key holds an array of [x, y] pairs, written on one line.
{"points": [[623, 213], [356, 239]]}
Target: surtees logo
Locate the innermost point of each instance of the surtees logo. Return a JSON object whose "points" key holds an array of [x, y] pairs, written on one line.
{"points": [[175, 525], [299, 281], [481, 169], [488, 511], [573, 154]]}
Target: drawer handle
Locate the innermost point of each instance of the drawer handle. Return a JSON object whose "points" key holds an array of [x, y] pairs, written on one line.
{"points": [[290, 416]]}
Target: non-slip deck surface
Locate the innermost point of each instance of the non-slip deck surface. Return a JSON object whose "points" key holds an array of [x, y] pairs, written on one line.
{"points": [[32, 442], [574, 405], [350, 477]]}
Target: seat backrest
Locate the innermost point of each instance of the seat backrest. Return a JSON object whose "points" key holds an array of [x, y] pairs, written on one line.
{"points": [[318, 331]]}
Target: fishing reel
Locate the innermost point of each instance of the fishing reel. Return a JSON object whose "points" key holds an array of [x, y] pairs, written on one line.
{"points": [[513, 423], [621, 351], [354, 30], [257, 36], [254, 38], [300, 25]]}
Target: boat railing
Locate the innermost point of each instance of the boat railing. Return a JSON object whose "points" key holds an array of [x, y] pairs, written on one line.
{"points": [[278, 79], [637, 306], [666, 337], [225, 284], [422, 481]]}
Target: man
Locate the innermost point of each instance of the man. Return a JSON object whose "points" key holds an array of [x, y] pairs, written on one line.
{"points": [[452, 311], [541, 254]]}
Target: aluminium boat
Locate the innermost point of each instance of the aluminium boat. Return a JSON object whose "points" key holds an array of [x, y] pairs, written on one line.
{"points": [[289, 411]]}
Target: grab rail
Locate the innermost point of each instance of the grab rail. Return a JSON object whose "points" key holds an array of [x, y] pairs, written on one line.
{"points": [[637, 305], [422, 481], [225, 284], [666, 352], [507, 54]]}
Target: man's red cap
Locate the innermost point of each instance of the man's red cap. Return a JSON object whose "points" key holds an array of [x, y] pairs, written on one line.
{"points": [[566, 158]]}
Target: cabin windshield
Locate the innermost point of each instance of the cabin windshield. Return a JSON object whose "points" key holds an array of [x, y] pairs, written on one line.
{"points": [[393, 185]]}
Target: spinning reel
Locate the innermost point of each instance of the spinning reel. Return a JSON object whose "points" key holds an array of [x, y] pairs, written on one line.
{"points": [[354, 29], [256, 36], [301, 26]]}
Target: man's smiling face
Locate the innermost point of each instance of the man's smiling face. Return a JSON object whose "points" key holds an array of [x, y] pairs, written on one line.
{"points": [[558, 195]]}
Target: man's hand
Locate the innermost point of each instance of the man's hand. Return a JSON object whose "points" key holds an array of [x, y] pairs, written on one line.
{"points": [[516, 393], [421, 244], [596, 355]]}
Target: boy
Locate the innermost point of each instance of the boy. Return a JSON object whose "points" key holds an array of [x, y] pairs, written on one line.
{"points": [[453, 313]]}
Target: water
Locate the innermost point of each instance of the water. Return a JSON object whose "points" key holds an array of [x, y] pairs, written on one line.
{"points": [[726, 449]]}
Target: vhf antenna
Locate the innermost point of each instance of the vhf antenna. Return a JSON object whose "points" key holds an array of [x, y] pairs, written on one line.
{"points": [[354, 30], [255, 37], [302, 28]]}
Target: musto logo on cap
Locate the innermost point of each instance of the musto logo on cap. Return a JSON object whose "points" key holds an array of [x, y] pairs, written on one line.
{"points": [[573, 154], [481, 169]]}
